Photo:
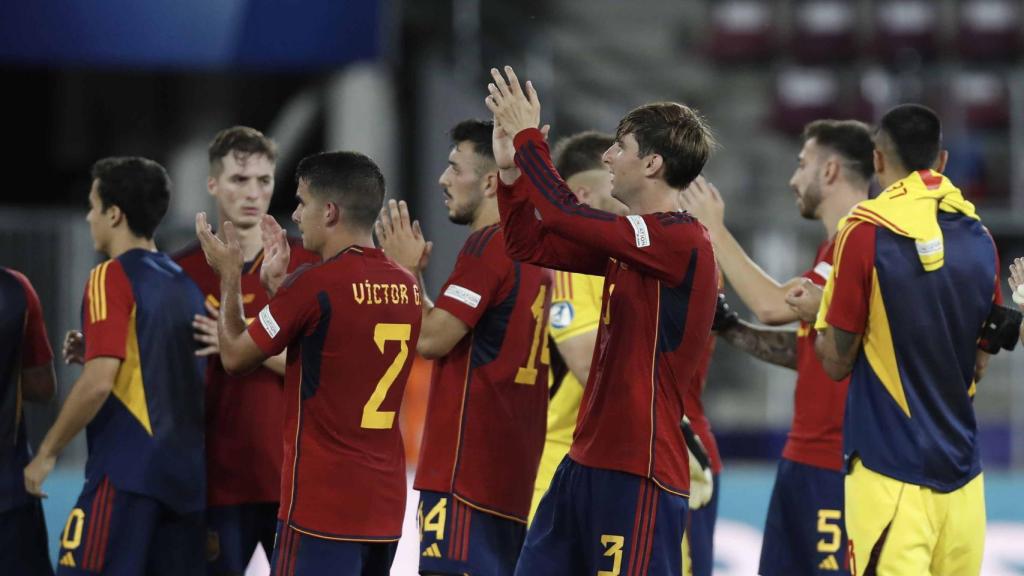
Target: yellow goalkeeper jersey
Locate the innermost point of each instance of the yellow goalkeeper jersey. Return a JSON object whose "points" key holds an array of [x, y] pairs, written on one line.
{"points": [[575, 310]]}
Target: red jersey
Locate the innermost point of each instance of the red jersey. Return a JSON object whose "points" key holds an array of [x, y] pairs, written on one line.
{"points": [[244, 413], [816, 436], [487, 411], [24, 345], [661, 285], [350, 325], [694, 408]]}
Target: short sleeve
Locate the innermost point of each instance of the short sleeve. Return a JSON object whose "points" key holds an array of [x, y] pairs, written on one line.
{"points": [[107, 311], [997, 298], [36, 349], [822, 269], [479, 274], [848, 291], [575, 305], [294, 307]]}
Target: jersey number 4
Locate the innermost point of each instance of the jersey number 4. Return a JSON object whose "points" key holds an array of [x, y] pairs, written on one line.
{"points": [[373, 417], [528, 374]]}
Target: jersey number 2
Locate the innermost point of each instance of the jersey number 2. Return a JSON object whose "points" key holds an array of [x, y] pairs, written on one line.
{"points": [[373, 417], [528, 374]]}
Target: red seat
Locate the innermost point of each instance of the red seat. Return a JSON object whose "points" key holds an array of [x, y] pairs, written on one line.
{"points": [[989, 29], [824, 31], [742, 31], [906, 29], [803, 95]]}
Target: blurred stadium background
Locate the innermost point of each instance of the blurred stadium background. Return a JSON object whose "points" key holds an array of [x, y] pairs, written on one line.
{"points": [[85, 80]]}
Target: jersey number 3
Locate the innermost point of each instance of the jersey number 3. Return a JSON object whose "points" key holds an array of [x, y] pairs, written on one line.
{"points": [[373, 417]]}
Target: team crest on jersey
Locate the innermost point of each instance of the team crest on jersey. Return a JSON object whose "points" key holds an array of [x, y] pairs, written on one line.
{"points": [[561, 315]]}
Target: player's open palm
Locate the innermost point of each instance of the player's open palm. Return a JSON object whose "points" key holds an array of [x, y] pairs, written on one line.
{"points": [[701, 198], [513, 108], [224, 256], [401, 238], [276, 254], [1016, 281]]}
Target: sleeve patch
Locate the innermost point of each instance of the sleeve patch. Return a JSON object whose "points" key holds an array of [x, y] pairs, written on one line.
{"points": [[561, 315], [268, 322], [823, 270], [643, 238], [464, 295]]}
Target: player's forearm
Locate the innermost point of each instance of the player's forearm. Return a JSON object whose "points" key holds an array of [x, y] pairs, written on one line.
{"points": [[765, 297], [82, 405], [773, 345], [837, 349], [231, 324]]}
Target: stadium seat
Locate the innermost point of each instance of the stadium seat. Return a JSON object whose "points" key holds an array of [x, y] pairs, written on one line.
{"points": [[742, 31], [906, 30], [824, 31], [989, 29], [803, 95], [983, 99]]}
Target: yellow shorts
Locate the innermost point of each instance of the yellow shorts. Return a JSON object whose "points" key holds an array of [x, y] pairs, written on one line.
{"points": [[901, 529]]}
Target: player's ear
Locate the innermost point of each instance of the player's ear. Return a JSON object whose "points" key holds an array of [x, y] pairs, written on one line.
{"points": [[940, 162], [332, 214], [653, 164], [115, 215], [832, 167], [490, 184], [879, 161], [582, 193], [211, 186]]}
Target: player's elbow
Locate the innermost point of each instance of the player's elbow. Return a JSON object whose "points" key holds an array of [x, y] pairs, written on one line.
{"points": [[429, 349], [835, 370]]}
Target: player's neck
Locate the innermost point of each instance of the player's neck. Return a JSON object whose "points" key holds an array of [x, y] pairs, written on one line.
{"points": [[656, 197], [342, 239], [122, 243], [838, 204], [487, 215], [249, 238]]}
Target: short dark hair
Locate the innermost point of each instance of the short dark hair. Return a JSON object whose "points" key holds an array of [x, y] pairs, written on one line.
{"points": [[851, 139], [351, 180], [676, 132], [241, 140], [478, 133], [915, 133], [581, 152], [138, 186]]}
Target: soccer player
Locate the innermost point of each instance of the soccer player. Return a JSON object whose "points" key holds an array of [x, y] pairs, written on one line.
{"points": [[575, 302], [349, 324], [26, 374], [915, 277], [140, 394], [245, 413], [804, 528], [617, 503], [484, 431]]}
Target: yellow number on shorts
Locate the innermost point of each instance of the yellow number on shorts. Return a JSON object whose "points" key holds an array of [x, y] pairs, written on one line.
{"points": [[612, 548], [373, 418], [528, 374], [434, 521], [72, 537], [832, 532]]}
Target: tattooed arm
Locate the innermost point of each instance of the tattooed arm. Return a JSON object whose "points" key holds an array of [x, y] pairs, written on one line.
{"points": [[837, 349], [773, 345]]}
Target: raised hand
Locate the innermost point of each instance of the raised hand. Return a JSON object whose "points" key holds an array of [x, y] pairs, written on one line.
{"points": [[402, 239], [805, 299], [701, 198], [1016, 281], [73, 350], [514, 109], [276, 254], [224, 256]]}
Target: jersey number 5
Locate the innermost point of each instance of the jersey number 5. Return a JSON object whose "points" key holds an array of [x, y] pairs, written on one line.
{"points": [[373, 417], [528, 374]]}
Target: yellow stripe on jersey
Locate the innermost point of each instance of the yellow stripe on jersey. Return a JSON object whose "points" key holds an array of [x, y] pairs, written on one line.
{"points": [[128, 386], [98, 292], [879, 350]]}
